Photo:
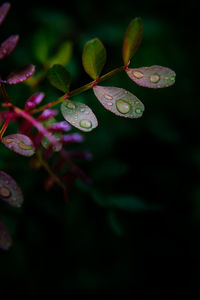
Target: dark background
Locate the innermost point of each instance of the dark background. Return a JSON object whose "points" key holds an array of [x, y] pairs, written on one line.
{"points": [[146, 244]]}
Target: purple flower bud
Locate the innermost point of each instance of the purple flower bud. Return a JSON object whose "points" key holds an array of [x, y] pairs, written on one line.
{"points": [[47, 114], [72, 138], [34, 100], [60, 126]]}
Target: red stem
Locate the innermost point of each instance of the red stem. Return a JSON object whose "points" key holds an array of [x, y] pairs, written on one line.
{"points": [[3, 129]]}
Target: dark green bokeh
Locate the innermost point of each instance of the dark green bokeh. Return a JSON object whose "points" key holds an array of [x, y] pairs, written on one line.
{"points": [[135, 230]]}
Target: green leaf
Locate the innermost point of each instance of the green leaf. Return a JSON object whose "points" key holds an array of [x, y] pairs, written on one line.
{"points": [[119, 101], [132, 39], [59, 77], [152, 77], [63, 55], [128, 202], [41, 44], [94, 58], [114, 223], [79, 115]]}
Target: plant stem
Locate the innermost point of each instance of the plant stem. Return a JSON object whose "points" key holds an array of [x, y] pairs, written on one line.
{"points": [[6, 98], [3, 129], [38, 125], [79, 90], [51, 173]]}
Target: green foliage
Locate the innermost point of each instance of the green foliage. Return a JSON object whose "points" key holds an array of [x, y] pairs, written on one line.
{"points": [[132, 39], [63, 55], [59, 77], [48, 144], [94, 58]]}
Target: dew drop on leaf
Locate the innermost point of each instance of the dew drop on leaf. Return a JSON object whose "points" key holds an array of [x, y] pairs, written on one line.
{"points": [[85, 123], [123, 106], [152, 77], [155, 78], [119, 101], [138, 74], [79, 115], [10, 191], [19, 143]]}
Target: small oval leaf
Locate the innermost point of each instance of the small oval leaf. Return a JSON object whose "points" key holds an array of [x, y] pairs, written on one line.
{"points": [[94, 58], [4, 9], [63, 55], [8, 46], [10, 192], [79, 115], [33, 101], [119, 101], [59, 77], [19, 143], [152, 77], [21, 75], [132, 39], [5, 237]]}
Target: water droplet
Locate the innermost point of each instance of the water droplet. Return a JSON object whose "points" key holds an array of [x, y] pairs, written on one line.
{"points": [[109, 103], [85, 123], [82, 109], [138, 111], [138, 74], [5, 192], [108, 97], [8, 140], [155, 78], [172, 78], [122, 106], [70, 105], [24, 146]]}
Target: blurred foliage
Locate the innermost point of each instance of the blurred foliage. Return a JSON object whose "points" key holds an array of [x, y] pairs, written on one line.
{"points": [[135, 230]]}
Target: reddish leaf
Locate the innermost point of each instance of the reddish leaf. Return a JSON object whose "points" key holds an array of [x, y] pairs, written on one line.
{"points": [[33, 101], [152, 77], [19, 143], [5, 237], [10, 191], [4, 8], [21, 74], [119, 101], [8, 46]]}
